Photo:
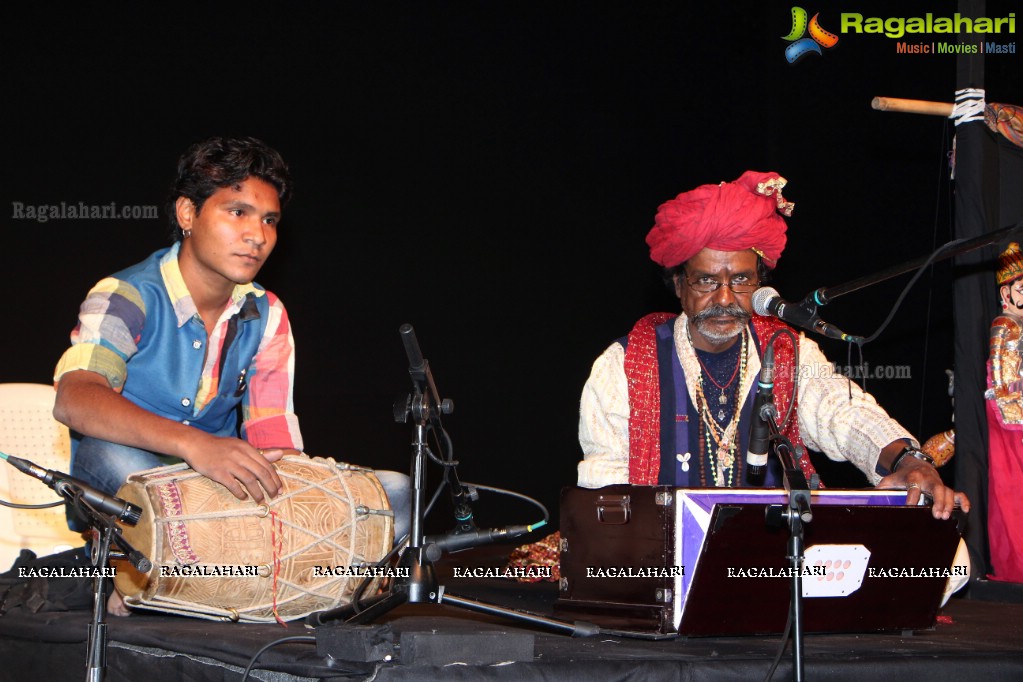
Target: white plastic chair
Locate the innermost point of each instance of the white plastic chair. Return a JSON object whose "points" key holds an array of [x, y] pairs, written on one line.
{"points": [[28, 430]]}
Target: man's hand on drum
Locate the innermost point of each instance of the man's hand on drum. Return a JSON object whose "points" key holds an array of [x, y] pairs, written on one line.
{"points": [[921, 478], [241, 468]]}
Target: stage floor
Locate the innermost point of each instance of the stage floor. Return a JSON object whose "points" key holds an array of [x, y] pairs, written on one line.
{"points": [[973, 640]]}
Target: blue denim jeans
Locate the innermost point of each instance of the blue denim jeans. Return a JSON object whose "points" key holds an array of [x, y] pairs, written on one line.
{"points": [[106, 466]]}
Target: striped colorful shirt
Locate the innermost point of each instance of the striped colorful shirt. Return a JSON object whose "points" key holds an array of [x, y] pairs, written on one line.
{"points": [[114, 328]]}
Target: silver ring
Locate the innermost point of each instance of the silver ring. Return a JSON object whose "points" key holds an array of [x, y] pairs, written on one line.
{"points": [[911, 485]]}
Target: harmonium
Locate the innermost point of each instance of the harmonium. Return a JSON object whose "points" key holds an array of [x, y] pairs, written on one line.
{"points": [[659, 561]]}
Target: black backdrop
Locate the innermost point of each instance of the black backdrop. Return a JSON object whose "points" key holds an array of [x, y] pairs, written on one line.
{"points": [[487, 172]]}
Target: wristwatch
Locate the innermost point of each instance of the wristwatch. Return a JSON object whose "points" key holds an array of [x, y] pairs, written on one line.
{"points": [[911, 451]]}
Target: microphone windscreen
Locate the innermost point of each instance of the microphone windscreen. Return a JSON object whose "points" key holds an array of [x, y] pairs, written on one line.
{"points": [[763, 296]]}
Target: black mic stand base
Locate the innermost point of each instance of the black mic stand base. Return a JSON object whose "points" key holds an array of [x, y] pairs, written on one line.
{"points": [[421, 587], [579, 628], [397, 598]]}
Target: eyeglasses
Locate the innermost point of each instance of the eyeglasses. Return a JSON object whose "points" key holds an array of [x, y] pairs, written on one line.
{"points": [[707, 285]]}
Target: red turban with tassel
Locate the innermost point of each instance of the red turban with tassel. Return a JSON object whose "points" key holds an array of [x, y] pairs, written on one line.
{"points": [[731, 216]]}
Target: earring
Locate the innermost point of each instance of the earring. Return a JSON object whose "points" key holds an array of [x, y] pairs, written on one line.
{"points": [[188, 233]]}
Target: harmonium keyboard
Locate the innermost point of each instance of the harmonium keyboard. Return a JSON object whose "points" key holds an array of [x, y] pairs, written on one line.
{"points": [[658, 561]]}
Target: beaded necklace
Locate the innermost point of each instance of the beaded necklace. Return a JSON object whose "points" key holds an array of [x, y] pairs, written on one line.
{"points": [[721, 460], [722, 396]]}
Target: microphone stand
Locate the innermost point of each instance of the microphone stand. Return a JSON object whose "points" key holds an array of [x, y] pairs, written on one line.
{"points": [[419, 584], [796, 513], [109, 536], [825, 295]]}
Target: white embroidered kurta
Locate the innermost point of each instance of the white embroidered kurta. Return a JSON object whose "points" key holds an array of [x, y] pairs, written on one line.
{"points": [[845, 430]]}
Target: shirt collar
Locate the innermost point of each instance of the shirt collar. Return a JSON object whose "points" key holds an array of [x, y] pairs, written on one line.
{"points": [[181, 298]]}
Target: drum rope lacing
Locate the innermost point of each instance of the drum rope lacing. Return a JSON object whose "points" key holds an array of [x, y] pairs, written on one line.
{"points": [[277, 545]]}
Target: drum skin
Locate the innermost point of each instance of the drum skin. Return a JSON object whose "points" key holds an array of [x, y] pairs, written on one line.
{"points": [[215, 556]]}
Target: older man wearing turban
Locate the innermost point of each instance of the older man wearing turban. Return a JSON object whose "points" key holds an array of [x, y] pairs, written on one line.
{"points": [[671, 403]]}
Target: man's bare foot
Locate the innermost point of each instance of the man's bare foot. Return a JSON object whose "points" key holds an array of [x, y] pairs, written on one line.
{"points": [[116, 605]]}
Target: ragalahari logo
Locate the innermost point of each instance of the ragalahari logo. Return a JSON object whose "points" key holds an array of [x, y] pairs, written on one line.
{"points": [[802, 46]]}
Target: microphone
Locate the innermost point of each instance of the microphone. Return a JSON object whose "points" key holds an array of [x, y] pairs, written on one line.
{"points": [[454, 542], [760, 430], [416, 362], [66, 485], [767, 301], [419, 370]]}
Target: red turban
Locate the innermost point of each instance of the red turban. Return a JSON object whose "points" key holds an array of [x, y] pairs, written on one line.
{"points": [[732, 216]]}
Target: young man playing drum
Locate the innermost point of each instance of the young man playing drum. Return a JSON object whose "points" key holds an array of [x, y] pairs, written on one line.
{"points": [[166, 351]]}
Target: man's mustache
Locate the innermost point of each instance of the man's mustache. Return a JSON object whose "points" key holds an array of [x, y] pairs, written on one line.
{"points": [[717, 310]]}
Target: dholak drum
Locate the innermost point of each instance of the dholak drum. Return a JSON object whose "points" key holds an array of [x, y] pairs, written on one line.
{"points": [[215, 556]]}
